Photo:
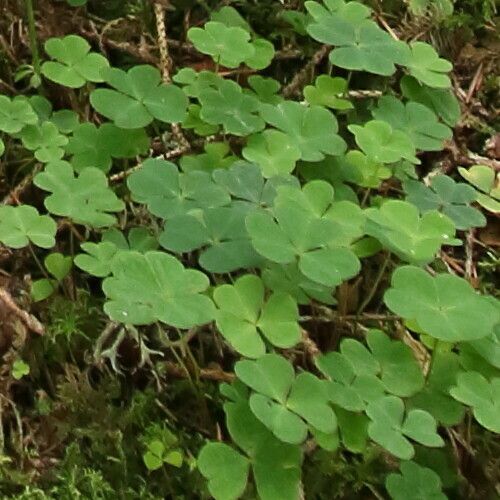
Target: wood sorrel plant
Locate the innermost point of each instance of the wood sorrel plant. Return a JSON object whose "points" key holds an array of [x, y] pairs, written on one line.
{"points": [[252, 239]]}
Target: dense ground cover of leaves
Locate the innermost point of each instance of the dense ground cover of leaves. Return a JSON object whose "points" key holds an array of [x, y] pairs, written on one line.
{"points": [[260, 266]]}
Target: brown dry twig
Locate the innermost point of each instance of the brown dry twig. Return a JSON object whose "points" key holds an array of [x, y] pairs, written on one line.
{"points": [[29, 321], [216, 374]]}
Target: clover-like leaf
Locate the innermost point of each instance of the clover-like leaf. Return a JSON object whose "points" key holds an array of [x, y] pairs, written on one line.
{"points": [[381, 143], [195, 82], [445, 307], [245, 182], [482, 395], [226, 470], [266, 89], [398, 226], [442, 101], [222, 234], [435, 398], [2, 147], [303, 225], [313, 129], [484, 179], [155, 286], [274, 151], [194, 121], [15, 114], [289, 279], [244, 315], [91, 146], [230, 17], [286, 404], [168, 193], [447, 196], [228, 45], [216, 155], [390, 427], [415, 120], [425, 65], [359, 42], [86, 198], [228, 106], [138, 98], [328, 91], [23, 224], [74, 64], [275, 465], [99, 256], [263, 54], [414, 483], [45, 140]]}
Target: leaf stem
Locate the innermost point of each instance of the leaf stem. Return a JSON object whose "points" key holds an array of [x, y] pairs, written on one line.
{"points": [[376, 283], [32, 35]]}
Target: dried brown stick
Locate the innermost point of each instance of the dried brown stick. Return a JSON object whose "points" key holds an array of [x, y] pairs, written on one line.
{"points": [[27, 319]]}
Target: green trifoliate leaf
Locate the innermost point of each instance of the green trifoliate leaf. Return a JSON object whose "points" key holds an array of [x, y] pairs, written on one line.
{"points": [[228, 106], [20, 369], [226, 470], [303, 225], [74, 64], [139, 98], [216, 155], [353, 429], [328, 91], [381, 143], [275, 465], [484, 179], [228, 46], [415, 120], [193, 121], [193, 82], [414, 483], [391, 428], [15, 114], [91, 146], [424, 63], [394, 358], [445, 307], [354, 167], [286, 404], [398, 226], [2, 147], [266, 89], [359, 43], [45, 140], [43, 289], [359, 375], [155, 286], [274, 151], [86, 198], [168, 193], [447, 196], [245, 182], [230, 17], [23, 224], [99, 256], [442, 101], [244, 316], [263, 54], [489, 347], [435, 398], [288, 279], [482, 395], [313, 129], [222, 234]]}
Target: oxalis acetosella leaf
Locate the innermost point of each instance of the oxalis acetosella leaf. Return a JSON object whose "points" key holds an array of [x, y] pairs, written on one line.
{"points": [[84, 198], [155, 286], [138, 97], [445, 306], [73, 64], [244, 316]]}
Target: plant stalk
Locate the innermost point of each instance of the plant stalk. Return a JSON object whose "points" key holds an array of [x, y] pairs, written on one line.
{"points": [[35, 55]]}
